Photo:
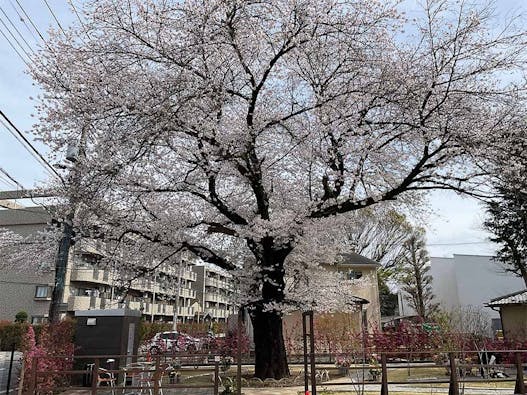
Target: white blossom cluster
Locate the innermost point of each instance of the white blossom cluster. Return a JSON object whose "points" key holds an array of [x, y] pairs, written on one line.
{"points": [[248, 133]]}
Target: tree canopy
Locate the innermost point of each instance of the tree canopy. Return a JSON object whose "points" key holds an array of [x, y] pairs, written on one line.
{"points": [[507, 221], [246, 132]]}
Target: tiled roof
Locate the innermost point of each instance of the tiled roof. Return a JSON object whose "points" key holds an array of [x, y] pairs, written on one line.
{"points": [[519, 297], [351, 258]]}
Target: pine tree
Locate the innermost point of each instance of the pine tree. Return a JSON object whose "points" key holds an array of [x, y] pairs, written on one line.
{"points": [[508, 223], [414, 275]]}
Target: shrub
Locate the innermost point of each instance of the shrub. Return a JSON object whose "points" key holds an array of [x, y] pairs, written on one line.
{"points": [[54, 349], [11, 333], [21, 317]]}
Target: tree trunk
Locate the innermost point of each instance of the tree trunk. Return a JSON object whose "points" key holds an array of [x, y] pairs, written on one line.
{"points": [[271, 359]]}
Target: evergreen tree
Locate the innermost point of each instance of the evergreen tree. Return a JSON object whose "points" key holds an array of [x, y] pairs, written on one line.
{"points": [[414, 275], [508, 223], [388, 300]]}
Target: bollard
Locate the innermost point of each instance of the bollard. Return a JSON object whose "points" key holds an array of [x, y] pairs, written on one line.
{"points": [[157, 375], [384, 379], [453, 388], [519, 388], [216, 378], [95, 377]]}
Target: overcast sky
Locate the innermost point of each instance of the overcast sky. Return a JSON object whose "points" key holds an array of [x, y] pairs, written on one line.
{"points": [[454, 226]]}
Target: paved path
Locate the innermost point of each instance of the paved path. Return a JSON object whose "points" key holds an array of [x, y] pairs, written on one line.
{"points": [[394, 389], [4, 370]]}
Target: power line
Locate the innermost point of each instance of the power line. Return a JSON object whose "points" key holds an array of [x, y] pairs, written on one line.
{"points": [[7, 182], [14, 38], [18, 31], [29, 144], [23, 21], [30, 21], [14, 48], [460, 243], [11, 178], [17, 138], [70, 2], [54, 17]]}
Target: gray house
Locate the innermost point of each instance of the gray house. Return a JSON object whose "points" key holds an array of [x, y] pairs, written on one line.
{"points": [[20, 289]]}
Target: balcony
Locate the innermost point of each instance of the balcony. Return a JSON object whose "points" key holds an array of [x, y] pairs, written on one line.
{"points": [[187, 293], [186, 311], [186, 274], [214, 282], [91, 275], [84, 303], [218, 313], [215, 297]]}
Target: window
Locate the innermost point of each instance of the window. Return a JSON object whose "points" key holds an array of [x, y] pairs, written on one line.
{"points": [[354, 275], [42, 292], [38, 319], [496, 324]]}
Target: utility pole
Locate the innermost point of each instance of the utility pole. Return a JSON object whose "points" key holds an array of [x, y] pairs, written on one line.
{"points": [[61, 262], [152, 315], [176, 304]]}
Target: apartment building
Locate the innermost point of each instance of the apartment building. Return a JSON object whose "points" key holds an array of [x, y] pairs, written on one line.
{"points": [[213, 290], [90, 287], [87, 286]]}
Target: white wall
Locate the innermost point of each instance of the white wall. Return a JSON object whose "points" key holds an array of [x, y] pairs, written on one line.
{"points": [[444, 282], [469, 280], [480, 279]]}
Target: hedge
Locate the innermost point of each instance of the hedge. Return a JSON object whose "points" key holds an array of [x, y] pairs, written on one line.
{"points": [[11, 333]]}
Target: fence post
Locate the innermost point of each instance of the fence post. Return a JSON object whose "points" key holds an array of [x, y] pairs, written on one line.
{"points": [[304, 339], [384, 378], [312, 353], [156, 376], [239, 353], [216, 378], [33, 379], [453, 388], [520, 384], [22, 378], [95, 377]]}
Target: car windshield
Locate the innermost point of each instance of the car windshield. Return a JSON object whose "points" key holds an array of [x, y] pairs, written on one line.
{"points": [[169, 335]]}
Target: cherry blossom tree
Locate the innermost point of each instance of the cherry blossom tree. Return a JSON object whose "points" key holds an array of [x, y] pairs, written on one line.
{"points": [[28, 252], [249, 132]]}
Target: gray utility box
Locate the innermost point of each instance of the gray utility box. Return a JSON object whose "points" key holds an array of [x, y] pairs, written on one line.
{"points": [[108, 333]]}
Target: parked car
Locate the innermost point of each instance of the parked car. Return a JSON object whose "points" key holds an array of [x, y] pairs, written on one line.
{"points": [[172, 341], [212, 342]]}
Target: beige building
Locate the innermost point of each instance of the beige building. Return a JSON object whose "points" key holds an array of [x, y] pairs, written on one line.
{"points": [[353, 266], [513, 313], [366, 300], [213, 291], [86, 285]]}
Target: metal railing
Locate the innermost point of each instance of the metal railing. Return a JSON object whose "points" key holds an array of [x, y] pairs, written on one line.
{"points": [[168, 371]]}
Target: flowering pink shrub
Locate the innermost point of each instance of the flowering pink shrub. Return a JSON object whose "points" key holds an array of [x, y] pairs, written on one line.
{"points": [[230, 346], [53, 353]]}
